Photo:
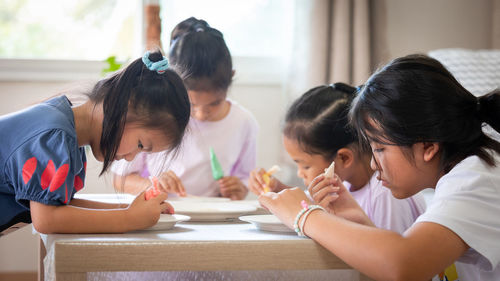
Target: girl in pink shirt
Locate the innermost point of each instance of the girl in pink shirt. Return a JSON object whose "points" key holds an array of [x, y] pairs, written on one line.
{"points": [[199, 53]]}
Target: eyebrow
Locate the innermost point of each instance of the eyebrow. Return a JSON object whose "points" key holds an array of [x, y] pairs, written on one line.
{"points": [[212, 103]]}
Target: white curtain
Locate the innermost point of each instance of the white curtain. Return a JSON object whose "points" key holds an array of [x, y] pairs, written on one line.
{"points": [[331, 44]]}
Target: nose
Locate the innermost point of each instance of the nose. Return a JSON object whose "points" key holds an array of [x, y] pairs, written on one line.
{"points": [[201, 115], [130, 156], [373, 164], [300, 174]]}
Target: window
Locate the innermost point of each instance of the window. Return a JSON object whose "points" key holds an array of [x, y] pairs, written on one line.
{"points": [[69, 40], [70, 29], [258, 33], [257, 28]]}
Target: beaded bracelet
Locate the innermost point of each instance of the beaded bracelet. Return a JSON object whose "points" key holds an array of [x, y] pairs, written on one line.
{"points": [[307, 210], [310, 209], [296, 221]]}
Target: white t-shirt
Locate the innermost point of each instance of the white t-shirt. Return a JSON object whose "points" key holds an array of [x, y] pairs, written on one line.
{"points": [[467, 201], [234, 140], [386, 211]]}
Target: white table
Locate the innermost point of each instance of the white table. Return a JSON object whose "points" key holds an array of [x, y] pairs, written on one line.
{"points": [[187, 247]]}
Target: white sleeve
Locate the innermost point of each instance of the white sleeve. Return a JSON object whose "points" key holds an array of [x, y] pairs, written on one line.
{"points": [[467, 202]]}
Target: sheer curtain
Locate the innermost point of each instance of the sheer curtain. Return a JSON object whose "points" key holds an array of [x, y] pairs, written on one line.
{"points": [[331, 44]]}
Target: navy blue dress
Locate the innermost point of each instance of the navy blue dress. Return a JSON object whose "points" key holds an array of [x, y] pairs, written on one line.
{"points": [[40, 159]]}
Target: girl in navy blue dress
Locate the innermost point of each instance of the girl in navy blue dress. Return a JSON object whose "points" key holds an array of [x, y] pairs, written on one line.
{"points": [[144, 107]]}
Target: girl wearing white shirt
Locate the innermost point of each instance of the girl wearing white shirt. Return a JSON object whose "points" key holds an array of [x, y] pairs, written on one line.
{"points": [[425, 131], [199, 53]]}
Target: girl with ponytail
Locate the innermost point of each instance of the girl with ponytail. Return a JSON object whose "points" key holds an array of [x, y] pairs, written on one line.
{"points": [[199, 54], [317, 132], [425, 131], [144, 107]]}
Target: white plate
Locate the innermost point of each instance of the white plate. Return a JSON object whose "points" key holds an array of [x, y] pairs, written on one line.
{"points": [[193, 198], [211, 211], [167, 221], [267, 222], [260, 210]]}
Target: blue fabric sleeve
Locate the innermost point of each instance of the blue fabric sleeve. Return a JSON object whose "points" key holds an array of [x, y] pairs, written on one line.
{"points": [[46, 169]]}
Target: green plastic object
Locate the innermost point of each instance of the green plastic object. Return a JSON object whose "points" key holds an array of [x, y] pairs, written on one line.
{"points": [[217, 172]]}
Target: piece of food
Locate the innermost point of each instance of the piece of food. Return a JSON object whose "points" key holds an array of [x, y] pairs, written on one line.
{"points": [[217, 171], [153, 191], [267, 177], [330, 171]]}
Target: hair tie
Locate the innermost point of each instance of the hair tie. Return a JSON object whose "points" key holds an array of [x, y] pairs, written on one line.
{"points": [[158, 66], [358, 89], [478, 110]]}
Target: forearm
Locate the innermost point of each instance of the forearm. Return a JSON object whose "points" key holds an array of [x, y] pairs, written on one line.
{"points": [[71, 219], [132, 183], [378, 253], [96, 205]]}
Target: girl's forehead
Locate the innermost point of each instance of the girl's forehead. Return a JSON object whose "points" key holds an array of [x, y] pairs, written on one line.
{"points": [[207, 95]]}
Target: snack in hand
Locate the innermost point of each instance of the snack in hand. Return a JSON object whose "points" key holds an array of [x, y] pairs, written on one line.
{"points": [[267, 177], [153, 191], [330, 171], [217, 171]]}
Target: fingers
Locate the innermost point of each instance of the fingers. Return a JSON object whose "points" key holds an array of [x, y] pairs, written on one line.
{"points": [[179, 187], [320, 194], [265, 199], [167, 208], [232, 187], [256, 182], [169, 182]]}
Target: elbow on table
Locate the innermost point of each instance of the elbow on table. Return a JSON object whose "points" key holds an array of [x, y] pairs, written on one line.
{"points": [[43, 225]]}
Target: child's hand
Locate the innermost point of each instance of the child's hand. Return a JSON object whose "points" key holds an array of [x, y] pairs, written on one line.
{"points": [[168, 182], [324, 190], [232, 187], [144, 213], [285, 205], [331, 194], [257, 185]]}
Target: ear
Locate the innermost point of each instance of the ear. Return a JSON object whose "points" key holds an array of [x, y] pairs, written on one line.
{"points": [[430, 150], [345, 157], [232, 73]]}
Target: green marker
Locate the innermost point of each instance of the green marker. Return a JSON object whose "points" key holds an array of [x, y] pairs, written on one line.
{"points": [[217, 172]]}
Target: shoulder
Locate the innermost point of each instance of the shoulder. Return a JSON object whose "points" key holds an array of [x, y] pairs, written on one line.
{"points": [[470, 173], [241, 115], [55, 113]]}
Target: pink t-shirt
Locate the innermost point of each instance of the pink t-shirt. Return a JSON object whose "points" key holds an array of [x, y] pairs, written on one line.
{"points": [[234, 140], [385, 210]]}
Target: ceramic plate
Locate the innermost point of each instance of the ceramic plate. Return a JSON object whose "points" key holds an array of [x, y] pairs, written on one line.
{"points": [[267, 222], [259, 211], [211, 211], [167, 221]]}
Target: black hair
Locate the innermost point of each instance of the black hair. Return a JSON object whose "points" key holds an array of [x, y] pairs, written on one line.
{"points": [[137, 94], [318, 120], [416, 99], [199, 54]]}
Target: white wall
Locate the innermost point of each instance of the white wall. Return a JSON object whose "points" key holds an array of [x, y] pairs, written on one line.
{"points": [[403, 27]]}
